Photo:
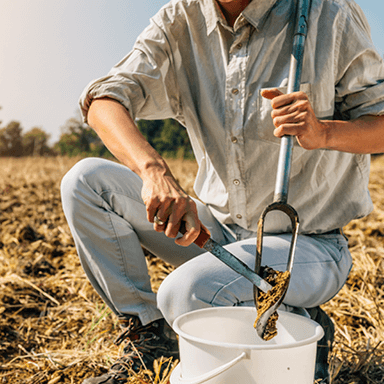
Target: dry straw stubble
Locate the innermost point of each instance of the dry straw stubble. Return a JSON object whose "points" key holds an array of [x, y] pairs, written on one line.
{"points": [[55, 329]]}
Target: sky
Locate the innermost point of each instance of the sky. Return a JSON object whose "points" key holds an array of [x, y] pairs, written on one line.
{"points": [[51, 49]]}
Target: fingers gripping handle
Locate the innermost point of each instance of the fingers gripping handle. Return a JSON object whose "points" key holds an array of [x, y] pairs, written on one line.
{"points": [[203, 237]]}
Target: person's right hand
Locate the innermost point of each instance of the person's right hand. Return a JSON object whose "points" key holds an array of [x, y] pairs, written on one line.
{"points": [[165, 199], [161, 193]]}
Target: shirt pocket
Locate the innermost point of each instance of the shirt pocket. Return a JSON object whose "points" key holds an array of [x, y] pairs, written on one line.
{"points": [[264, 122]]}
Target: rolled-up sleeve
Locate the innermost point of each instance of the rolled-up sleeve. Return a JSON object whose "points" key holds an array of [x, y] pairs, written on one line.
{"points": [[143, 81], [360, 85]]}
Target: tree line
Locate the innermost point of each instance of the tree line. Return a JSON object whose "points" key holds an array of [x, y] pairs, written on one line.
{"points": [[168, 137]]}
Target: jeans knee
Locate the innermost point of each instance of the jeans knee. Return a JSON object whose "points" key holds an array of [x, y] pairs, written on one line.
{"points": [[77, 173], [179, 293], [74, 182], [166, 300], [197, 284]]}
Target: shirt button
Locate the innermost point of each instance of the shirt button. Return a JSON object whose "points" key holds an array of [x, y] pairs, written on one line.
{"points": [[234, 139], [236, 182], [235, 91], [239, 217]]}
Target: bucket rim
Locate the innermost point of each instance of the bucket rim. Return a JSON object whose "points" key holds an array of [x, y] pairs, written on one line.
{"points": [[318, 331]]}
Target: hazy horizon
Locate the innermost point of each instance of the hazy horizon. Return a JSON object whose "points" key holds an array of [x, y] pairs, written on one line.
{"points": [[51, 50]]}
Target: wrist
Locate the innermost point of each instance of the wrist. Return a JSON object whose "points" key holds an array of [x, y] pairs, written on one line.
{"points": [[153, 169], [331, 130], [327, 133]]}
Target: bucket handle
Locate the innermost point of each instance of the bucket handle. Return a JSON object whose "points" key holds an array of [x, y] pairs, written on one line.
{"points": [[215, 372]]}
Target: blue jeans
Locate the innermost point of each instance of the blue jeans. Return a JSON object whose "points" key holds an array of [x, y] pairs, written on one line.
{"points": [[107, 217]]}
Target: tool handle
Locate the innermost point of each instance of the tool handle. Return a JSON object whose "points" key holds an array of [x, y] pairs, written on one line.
{"points": [[204, 241], [203, 237], [286, 146]]}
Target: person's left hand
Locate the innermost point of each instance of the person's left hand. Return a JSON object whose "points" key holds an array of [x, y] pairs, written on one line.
{"points": [[293, 115]]}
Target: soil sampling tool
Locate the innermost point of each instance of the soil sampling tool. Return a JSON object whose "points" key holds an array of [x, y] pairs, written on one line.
{"points": [[204, 241], [283, 173]]}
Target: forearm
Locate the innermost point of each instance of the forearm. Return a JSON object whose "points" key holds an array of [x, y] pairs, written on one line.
{"points": [[363, 135], [161, 193], [114, 125]]}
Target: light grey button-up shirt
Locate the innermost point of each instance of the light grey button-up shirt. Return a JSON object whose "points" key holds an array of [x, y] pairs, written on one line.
{"points": [[188, 64]]}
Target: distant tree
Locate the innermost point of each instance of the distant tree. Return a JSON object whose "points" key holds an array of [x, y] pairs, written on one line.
{"points": [[35, 143], [78, 138], [168, 137], [11, 140], [173, 140], [151, 129]]}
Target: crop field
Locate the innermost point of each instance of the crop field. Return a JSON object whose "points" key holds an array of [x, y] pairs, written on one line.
{"points": [[54, 328]]}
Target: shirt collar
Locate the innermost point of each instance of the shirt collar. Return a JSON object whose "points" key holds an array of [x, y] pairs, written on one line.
{"points": [[211, 14], [255, 13]]}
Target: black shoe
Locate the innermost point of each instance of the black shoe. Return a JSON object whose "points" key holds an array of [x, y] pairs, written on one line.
{"points": [[324, 345], [144, 344]]}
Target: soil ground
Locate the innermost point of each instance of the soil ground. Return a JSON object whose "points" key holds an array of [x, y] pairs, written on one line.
{"points": [[54, 328]]}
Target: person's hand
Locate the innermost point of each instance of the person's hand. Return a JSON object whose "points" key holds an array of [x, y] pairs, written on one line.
{"points": [[293, 115], [168, 205]]}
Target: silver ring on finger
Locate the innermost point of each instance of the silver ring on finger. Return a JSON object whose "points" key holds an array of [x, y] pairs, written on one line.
{"points": [[158, 221]]}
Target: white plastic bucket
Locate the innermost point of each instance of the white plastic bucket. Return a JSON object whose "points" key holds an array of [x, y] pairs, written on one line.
{"points": [[220, 345]]}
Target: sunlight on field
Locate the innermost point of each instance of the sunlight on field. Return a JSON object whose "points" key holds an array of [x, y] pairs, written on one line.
{"points": [[54, 328]]}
